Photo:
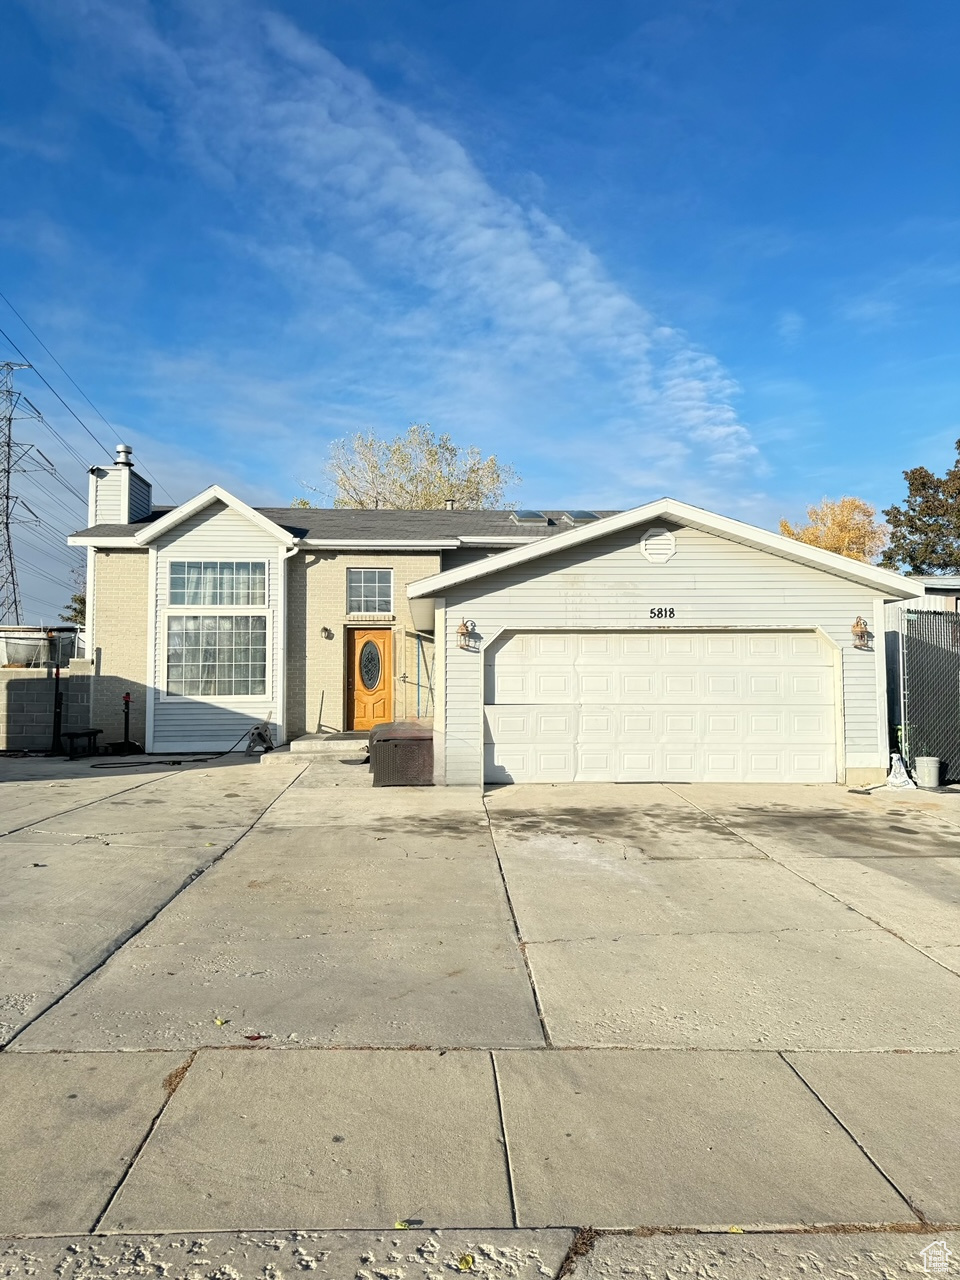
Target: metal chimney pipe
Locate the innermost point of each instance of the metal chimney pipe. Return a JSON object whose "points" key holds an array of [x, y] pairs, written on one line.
{"points": [[124, 455]]}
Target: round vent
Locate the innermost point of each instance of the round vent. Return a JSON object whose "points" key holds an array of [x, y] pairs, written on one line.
{"points": [[658, 545]]}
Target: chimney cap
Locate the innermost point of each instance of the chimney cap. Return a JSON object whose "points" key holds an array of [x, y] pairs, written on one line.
{"points": [[124, 455], [449, 504]]}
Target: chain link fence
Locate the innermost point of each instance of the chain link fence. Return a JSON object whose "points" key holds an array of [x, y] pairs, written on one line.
{"points": [[930, 689]]}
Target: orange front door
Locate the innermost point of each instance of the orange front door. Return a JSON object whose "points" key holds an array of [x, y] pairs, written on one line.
{"points": [[369, 678]]}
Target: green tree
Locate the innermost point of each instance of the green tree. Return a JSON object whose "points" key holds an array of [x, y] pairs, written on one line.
{"points": [[925, 530], [846, 526], [76, 610], [416, 471]]}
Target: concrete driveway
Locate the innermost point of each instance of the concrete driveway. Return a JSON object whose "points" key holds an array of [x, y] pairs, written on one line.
{"points": [[270, 999]]}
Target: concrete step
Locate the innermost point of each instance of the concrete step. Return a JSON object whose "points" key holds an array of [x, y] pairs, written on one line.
{"points": [[321, 744]]}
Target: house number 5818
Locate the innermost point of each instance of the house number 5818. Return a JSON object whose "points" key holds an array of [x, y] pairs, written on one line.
{"points": [[663, 613]]}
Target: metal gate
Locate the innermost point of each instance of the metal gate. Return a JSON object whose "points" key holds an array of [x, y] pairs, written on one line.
{"points": [[930, 688]]}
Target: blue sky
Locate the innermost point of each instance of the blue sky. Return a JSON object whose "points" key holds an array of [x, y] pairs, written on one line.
{"points": [[699, 247]]}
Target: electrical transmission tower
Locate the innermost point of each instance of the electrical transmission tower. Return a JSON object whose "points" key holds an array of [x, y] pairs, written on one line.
{"points": [[11, 458]]}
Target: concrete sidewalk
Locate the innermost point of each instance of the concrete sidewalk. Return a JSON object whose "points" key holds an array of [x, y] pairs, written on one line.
{"points": [[277, 1001]]}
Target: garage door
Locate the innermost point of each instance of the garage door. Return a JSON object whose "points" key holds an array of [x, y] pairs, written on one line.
{"points": [[686, 706]]}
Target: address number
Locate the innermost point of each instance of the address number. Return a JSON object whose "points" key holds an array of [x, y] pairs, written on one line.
{"points": [[663, 613]]}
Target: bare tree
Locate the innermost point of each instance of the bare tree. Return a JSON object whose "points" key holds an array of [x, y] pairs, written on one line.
{"points": [[416, 471]]}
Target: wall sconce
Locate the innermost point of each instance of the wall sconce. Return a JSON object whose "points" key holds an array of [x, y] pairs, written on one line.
{"points": [[326, 633], [467, 636], [861, 634]]}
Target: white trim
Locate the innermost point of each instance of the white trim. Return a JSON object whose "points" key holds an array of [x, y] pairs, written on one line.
{"points": [[281, 623], [839, 709], [880, 661], [203, 500], [384, 544], [128, 540], [89, 615], [125, 495], [333, 544], [152, 685], [499, 540], [681, 513], [356, 615]]}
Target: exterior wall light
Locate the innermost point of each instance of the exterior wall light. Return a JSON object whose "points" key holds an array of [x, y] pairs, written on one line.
{"points": [[861, 634], [326, 633], [467, 636]]}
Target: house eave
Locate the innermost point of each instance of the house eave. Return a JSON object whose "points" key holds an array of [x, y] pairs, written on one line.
{"points": [[379, 544], [891, 585], [74, 540]]}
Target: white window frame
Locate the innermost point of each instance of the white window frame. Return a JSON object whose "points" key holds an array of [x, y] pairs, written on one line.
{"points": [[371, 613], [205, 611], [201, 560]]}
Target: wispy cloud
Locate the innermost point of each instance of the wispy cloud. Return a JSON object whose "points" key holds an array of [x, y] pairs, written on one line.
{"points": [[421, 281], [790, 326]]}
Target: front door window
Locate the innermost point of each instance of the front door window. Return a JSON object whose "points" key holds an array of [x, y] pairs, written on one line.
{"points": [[370, 665]]}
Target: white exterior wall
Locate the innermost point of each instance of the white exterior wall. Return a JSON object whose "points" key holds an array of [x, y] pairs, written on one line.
{"points": [[141, 497], [107, 503], [206, 724], [712, 583]]}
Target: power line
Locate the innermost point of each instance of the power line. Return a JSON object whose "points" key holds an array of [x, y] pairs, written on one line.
{"points": [[59, 582], [55, 392], [75, 384]]}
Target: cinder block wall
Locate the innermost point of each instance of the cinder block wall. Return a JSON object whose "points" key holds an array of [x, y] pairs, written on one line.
{"points": [[120, 625], [317, 598], [27, 699]]}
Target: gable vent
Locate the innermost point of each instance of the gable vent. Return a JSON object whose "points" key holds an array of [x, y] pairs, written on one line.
{"points": [[658, 545]]}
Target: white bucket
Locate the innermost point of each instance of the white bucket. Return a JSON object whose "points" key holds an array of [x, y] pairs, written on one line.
{"points": [[927, 769]]}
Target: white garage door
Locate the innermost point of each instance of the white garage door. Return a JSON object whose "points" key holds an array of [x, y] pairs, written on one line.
{"points": [[702, 706]]}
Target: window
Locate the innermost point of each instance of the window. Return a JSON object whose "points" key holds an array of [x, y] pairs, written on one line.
{"points": [[218, 582], [369, 591], [216, 655]]}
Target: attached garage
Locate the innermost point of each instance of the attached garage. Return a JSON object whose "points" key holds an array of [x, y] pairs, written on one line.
{"points": [[663, 644], [620, 706]]}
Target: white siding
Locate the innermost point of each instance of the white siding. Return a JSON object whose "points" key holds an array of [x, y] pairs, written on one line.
{"points": [[141, 498], [710, 582], [108, 508], [195, 724]]}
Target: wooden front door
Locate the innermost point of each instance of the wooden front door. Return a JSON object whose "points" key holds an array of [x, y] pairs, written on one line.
{"points": [[369, 677]]}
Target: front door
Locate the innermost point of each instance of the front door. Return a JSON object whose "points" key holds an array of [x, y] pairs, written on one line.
{"points": [[369, 678]]}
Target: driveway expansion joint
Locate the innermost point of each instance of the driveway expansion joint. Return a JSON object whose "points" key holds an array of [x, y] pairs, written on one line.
{"points": [[508, 1165], [171, 1084], [853, 1138], [521, 943]]}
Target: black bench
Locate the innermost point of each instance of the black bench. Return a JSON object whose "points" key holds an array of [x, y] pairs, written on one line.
{"points": [[87, 738]]}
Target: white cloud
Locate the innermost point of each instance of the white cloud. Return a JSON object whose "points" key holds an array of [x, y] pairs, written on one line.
{"points": [[431, 285]]}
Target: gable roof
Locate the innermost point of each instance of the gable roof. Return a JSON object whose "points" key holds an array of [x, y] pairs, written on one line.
{"points": [[892, 585], [157, 528], [341, 526]]}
